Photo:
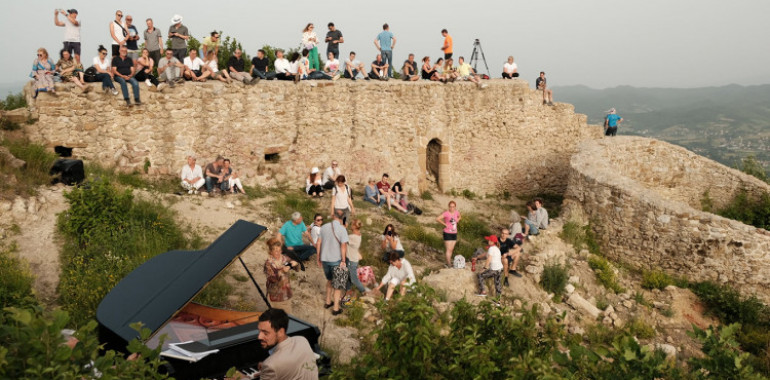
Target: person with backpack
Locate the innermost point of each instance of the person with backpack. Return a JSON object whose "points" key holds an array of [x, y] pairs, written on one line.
{"points": [[342, 200]]}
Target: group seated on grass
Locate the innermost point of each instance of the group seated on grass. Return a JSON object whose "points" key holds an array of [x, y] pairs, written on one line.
{"points": [[220, 177]]}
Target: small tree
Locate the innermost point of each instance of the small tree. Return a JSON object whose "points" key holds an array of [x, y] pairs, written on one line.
{"points": [[750, 165]]}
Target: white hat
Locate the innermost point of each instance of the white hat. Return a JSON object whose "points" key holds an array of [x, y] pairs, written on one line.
{"points": [[611, 110], [314, 170], [176, 19]]}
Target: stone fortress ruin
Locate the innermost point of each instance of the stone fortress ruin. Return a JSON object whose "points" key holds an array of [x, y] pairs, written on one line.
{"points": [[641, 196]]}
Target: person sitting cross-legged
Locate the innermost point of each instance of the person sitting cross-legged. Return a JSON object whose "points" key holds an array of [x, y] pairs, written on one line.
{"points": [[400, 274], [293, 232], [192, 176], [194, 68], [214, 176]]}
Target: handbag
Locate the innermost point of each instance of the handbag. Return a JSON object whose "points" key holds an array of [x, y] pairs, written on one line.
{"points": [[339, 275]]}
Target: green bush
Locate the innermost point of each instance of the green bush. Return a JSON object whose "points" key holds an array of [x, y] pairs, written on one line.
{"points": [[426, 195], [581, 237], [106, 235], [472, 228], [755, 212], [15, 280], [554, 278], [418, 234], [39, 161], [13, 101], [605, 274], [751, 166], [722, 358], [32, 347], [656, 280], [729, 306]]}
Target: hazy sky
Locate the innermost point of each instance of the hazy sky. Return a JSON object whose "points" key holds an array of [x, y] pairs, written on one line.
{"points": [[598, 43]]}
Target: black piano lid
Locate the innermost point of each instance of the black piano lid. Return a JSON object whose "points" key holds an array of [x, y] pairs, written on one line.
{"points": [[155, 291]]}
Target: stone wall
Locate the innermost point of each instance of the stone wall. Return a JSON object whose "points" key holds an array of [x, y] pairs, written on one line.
{"points": [[642, 197], [493, 139]]}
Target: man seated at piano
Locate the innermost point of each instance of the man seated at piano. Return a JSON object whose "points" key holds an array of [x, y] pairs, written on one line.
{"points": [[293, 231], [292, 357], [277, 276]]}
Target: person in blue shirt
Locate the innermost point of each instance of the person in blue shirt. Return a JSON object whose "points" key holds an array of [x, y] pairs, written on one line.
{"points": [[385, 43], [293, 231], [611, 123]]}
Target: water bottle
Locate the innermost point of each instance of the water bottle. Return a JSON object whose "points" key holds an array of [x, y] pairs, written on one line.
{"points": [[473, 265]]}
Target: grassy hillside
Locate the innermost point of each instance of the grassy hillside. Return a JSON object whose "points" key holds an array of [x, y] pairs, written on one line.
{"points": [[722, 123]]}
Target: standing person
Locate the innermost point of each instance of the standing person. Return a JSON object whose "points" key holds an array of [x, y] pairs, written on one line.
{"points": [[510, 69], [153, 41], [447, 47], [342, 200], [192, 176], [292, 357], [103, 68], [354, 255], [450, 219], [211, 43], [493, 266], [179, 34], [236, 65], [170, 69], [277, 277], [611, 123], [71, 31], [385, 43], [332, 247], [541, 85], [399, 273], [123, 71], [333, 40], [43, 69], [133, 36], [144, 67], [118, 32], [310, 42]]}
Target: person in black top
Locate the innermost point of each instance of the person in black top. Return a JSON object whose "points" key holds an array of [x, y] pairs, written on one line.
{"points": [[379, 69], [260, 66], [123, 71], [410, 69], [334, 39], [540, 84], [511, 251], [236, 66]]}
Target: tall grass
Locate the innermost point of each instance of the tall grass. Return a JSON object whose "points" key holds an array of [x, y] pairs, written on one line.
{"points": [[15, 279], [39, 161]]}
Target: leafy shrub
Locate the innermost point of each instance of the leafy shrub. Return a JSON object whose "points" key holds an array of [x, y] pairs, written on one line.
{"points": [[39, 161], [554, 278], [581, 237], [605, 274], [468, 194], [472, 228], [727, 304], [655, 280], [640, 329], [751, 166], [755, 212], [706, 203], [426, 195], [13, 101], [723, 358], [106, 235], [34, 348], [15, 280]]}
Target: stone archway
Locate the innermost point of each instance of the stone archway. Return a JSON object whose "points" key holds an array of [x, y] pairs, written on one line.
{"points": [[437, 163]]}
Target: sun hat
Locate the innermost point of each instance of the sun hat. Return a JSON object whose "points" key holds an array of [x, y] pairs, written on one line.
{"points": [[176, 19], [314, 170]]}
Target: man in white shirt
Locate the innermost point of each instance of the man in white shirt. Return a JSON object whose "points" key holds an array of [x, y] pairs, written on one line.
{"points": [[192, 175], [332, 66], [330, 175], [510, 69], [354, 67], [399, 273], [170, 69], [71, 31], [194, 68], [282, 67]]}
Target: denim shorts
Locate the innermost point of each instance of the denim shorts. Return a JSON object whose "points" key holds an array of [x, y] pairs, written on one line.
{"points": [[329, 268]]}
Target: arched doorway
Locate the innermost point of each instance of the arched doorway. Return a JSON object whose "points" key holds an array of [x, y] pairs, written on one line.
{"points": [[432, 161]]}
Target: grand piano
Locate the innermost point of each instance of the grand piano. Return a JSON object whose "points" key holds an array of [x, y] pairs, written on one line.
{"points": [[202, 341]]}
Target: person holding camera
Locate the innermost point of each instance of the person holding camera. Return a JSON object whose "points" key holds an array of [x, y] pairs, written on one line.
{"points": [[277, 277], [391, 242]]}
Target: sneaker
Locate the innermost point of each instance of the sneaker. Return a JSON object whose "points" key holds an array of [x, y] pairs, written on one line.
{"points": [[352, 79], [148, 83], [255, 80], [138, 103], [550, 103], [114, 92], [505, 282], [545, 102], [366, 78], [482, 294], [335, 77], [195, 192], [313, 84], [128, 103], [516, 273], [531, 237], [338, 312], [484, 85], [189, 191], [161, 86]]}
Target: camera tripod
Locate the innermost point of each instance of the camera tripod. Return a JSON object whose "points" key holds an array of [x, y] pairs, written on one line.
{"points": [[475, 56]]}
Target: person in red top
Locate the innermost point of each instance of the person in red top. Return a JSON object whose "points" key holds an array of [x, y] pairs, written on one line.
{"points": [[447, 48], [384, 188]]}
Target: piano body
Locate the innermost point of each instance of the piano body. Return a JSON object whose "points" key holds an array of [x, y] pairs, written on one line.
{"points": [[202, 341]]}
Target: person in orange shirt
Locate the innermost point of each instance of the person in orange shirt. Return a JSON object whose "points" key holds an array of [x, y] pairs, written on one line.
{"points": [[447, 48]]}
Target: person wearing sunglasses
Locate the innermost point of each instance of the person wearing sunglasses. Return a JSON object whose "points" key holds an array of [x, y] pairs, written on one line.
{"points": [[118, 32], [42, 71]]}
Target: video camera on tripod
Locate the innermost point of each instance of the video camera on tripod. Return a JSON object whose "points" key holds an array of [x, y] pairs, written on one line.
{"points": [[475, 57]]}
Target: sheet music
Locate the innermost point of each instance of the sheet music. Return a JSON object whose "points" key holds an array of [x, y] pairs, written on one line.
{"points": [[175, 351]]}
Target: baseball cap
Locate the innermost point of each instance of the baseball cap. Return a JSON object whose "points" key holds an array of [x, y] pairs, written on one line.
{"points": [[491, 238]]}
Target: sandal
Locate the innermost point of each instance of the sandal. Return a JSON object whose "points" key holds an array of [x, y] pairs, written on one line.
{"points": [[328, 305], [338, 312]]}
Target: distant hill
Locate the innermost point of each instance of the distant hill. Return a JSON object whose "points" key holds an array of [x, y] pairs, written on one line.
{"points": [[722, 123]]}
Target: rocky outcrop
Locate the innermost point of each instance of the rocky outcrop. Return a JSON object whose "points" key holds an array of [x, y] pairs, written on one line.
{"points": [[485, 140], [642, 198]]}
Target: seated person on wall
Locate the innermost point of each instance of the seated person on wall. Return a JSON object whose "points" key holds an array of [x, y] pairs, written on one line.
{"points": [[170, 69], [510, 69], [211, 68], [541, 84], [510, 249], [372, 194], [400, 274], [466, 73], [194, 68], [384, 188], [260, 66], [332, 66], [530, 222], [493, 267], [409, 70], [313, 183], [294, 62], [231, 176], [144, 67], [71, 71], [399, 194], [214, 176], [353, 67], [515, 227], [123, 72], [379, 69], [428, 71], [282, 67], [330, 175], [542, 214], [450, 72], [293, 231], [310, 73], [236, 66], [192, 176]]}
